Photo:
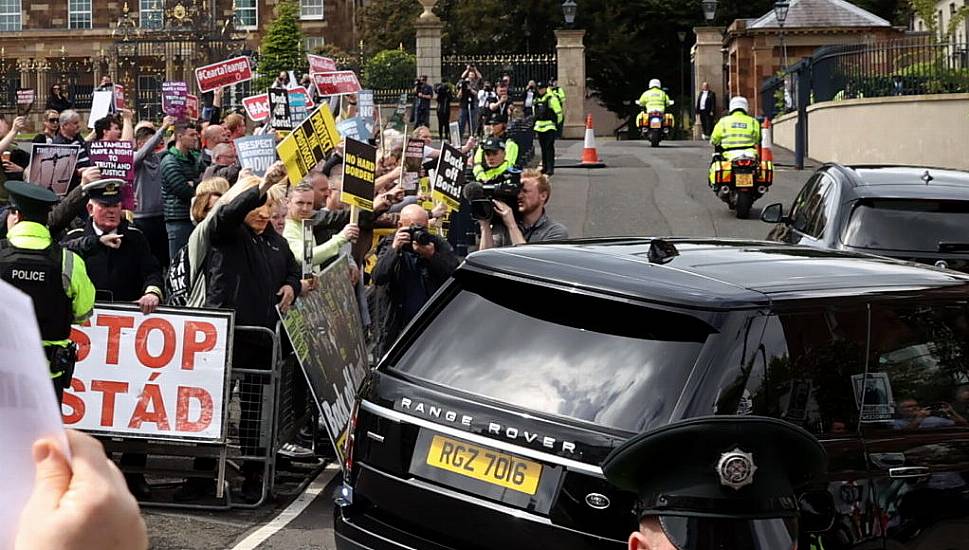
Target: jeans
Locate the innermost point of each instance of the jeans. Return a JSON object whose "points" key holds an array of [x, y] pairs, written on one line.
{"points": [[178, 233], [547, 141]]}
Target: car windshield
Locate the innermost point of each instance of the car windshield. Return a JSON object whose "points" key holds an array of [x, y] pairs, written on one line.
{"points": [[609, 363], [911, 225]]}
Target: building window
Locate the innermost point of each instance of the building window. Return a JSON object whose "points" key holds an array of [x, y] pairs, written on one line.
{"points": [[151, 13], [10, 15], [311, 44], [311, 9], [247, 14], [79, 14]]}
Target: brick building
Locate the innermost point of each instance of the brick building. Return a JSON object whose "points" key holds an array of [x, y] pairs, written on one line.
{"points": [[753, 46], [141, 43]]}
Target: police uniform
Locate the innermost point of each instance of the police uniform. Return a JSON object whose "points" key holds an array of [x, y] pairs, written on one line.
{"points": [[721, 482], [548, 117], [124, 274], [484, 173], [654, 100], [55, 279], [735, 134]]}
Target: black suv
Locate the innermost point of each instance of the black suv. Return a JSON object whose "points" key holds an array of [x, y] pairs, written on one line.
{"points": [[904, 212], [484, 426]]}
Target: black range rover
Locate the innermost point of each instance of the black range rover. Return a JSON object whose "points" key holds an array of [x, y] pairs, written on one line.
{"points": [[484, 426]]}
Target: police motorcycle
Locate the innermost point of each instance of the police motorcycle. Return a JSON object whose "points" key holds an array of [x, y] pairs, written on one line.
{"points": [[654, 126], [739, 178]]}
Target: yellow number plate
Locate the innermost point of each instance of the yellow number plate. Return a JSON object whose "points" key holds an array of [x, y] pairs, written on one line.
{"points": [[484, 464], [745, 180], [655, 124]]}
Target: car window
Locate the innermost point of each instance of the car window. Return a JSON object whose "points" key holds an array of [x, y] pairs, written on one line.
{"points": [[918, 378], [800, 211], [600, 361], [804, 371], [912, 225]]}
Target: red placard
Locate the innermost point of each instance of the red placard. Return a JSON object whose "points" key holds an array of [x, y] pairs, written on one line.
{"points": [[118, 97], [192, 107], [320, 64], [336, 83], [257, 107], [223, 73], [302, 90]]}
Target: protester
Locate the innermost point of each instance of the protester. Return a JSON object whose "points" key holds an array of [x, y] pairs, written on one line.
{"points": [[68, 134], [408, 273], [79, 503], [179, 168], [51, 124], [423, 94], [57, 99], [468, 105], [149, 212], [444, 98], [235, 124], [301, 201], [530, 223], [106, 84], [225, 163], [185, 284], [473, 77], [212, 135], [278, 199]]}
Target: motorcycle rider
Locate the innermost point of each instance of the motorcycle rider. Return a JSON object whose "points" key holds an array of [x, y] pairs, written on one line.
{"points": [[653, 100], [735, 134]]}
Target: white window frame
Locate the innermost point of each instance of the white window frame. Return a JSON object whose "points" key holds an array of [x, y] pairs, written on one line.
{"points": [[316, 4], [317, 42], [89, 12], [254, 9], [159, 7], [19, 25]]}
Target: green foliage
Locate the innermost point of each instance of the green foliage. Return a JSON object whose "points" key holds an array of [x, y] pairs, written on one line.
{"points": [[282, 46], [387, 24], [390, 69], [925, 10]]}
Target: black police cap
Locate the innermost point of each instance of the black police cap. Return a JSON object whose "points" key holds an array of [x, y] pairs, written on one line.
{"points": [[733, 467], [493, 144], [106, 191], [496, 118], [30, 198], [541, 84]]}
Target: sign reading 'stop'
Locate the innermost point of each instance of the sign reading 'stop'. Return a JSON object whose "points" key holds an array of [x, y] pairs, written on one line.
{"points": [[223, 73]]}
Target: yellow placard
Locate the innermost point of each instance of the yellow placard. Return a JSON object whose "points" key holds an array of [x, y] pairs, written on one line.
{"points": [[309, 144]]}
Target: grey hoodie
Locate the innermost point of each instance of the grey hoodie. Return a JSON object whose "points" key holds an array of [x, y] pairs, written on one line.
{"points": [[148, 179]]}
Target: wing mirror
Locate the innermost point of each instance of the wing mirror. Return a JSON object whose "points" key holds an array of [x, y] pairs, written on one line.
{"points": [[817, 511], [773, 213]]}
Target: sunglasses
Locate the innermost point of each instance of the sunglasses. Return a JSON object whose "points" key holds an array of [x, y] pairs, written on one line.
{"points": [[53, 120]]}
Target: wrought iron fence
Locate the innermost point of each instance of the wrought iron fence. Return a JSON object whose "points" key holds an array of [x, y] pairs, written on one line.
{"points": [[520, 67], [910, 66]]}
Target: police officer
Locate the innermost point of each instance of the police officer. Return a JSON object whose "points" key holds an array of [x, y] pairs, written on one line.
{"points": [[735, 134], [655, 99], [55, 279], [548, 117], [495, 155], [718, 483], [118, 256], [553, 86]]}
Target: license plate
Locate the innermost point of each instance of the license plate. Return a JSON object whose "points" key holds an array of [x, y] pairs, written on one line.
{"points": [[744, 180], [484, 464], [655, 124]]}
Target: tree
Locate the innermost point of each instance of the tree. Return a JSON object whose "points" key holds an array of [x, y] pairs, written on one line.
{"points": [[925, 10], [282, 46], [390, 69], [387, 24]]}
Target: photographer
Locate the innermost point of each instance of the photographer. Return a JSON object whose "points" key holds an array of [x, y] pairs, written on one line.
{"points": [[423, 94], [529, 223], [468, 103], [411, 266], [444, 98]]}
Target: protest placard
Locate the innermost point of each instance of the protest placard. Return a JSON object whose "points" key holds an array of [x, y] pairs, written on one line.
{"points": [[223, 73], [192, 107], [320, 64], [257, 107], [356, 128], [413, 157], [297, 107], [256, 152], [308, 144], [279, 117], [116, 159], [359, 165], [25, 96], [174, 98], [449, 177], [101, 104], [309, 242], [365, 108], [297, 91], [52, 166], [158, 376], [336, 83], [326, 332], [118, 97]]}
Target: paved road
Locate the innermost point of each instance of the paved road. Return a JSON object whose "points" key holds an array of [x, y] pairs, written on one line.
{"points": [[643, 191]]}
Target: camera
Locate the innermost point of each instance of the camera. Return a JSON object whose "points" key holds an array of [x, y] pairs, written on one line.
{"points": [[419, 235], [504, 188]]}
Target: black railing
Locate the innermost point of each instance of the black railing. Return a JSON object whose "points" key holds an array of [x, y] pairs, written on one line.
{"points": [[520, 67]]}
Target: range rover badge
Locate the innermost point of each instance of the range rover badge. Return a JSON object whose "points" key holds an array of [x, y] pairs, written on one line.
{"points": [[597, 501]]}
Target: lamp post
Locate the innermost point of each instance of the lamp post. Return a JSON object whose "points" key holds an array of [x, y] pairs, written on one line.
{"points": [[683, 95], [709, 10], [569, 9], [781, 8]]}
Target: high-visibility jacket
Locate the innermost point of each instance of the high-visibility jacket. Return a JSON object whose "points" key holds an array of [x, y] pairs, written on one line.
{"points": [[737, 131], [654, 99], [481, 170], [555, 116], [559, 93], [74, 283]]}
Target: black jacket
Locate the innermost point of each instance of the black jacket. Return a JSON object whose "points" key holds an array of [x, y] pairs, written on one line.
{"points": [[179, 173], [125, 272], [59, 104], [243, 270], [394, 268]]}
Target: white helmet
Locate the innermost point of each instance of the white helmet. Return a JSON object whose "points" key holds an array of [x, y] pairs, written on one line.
{"points": [[655, 83], [739, 102]]}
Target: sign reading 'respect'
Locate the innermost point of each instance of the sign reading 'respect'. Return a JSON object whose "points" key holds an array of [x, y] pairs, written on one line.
{"points": [[223, 73]]}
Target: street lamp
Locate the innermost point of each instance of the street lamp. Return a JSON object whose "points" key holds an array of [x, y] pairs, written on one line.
{"points": [[781, 7], [682, 36], [709, 10], [569, 9]]}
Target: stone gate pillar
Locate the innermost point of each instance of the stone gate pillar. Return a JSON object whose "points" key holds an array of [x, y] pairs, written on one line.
{"points": [[708, 66], [429, 28], [570, 53]]}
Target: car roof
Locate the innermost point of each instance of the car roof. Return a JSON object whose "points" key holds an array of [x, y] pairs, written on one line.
{"points": [[905, 182], [712, 274]]}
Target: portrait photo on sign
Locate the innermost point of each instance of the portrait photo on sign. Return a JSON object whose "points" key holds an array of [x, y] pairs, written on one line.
{"points": [[874, 392], [52, 166]]}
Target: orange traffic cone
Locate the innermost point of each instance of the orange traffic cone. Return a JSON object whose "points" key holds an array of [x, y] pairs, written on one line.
{"points": [[590, 157]]}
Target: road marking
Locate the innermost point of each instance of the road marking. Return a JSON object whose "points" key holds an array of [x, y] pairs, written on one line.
{"points": [[291, 512]]}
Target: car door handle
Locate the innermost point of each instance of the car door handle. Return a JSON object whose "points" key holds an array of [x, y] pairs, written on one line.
{"points": [[887, 460], [908, 472]]}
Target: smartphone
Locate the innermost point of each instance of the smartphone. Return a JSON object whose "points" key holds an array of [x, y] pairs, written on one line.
{"points": [[6, 156]]}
